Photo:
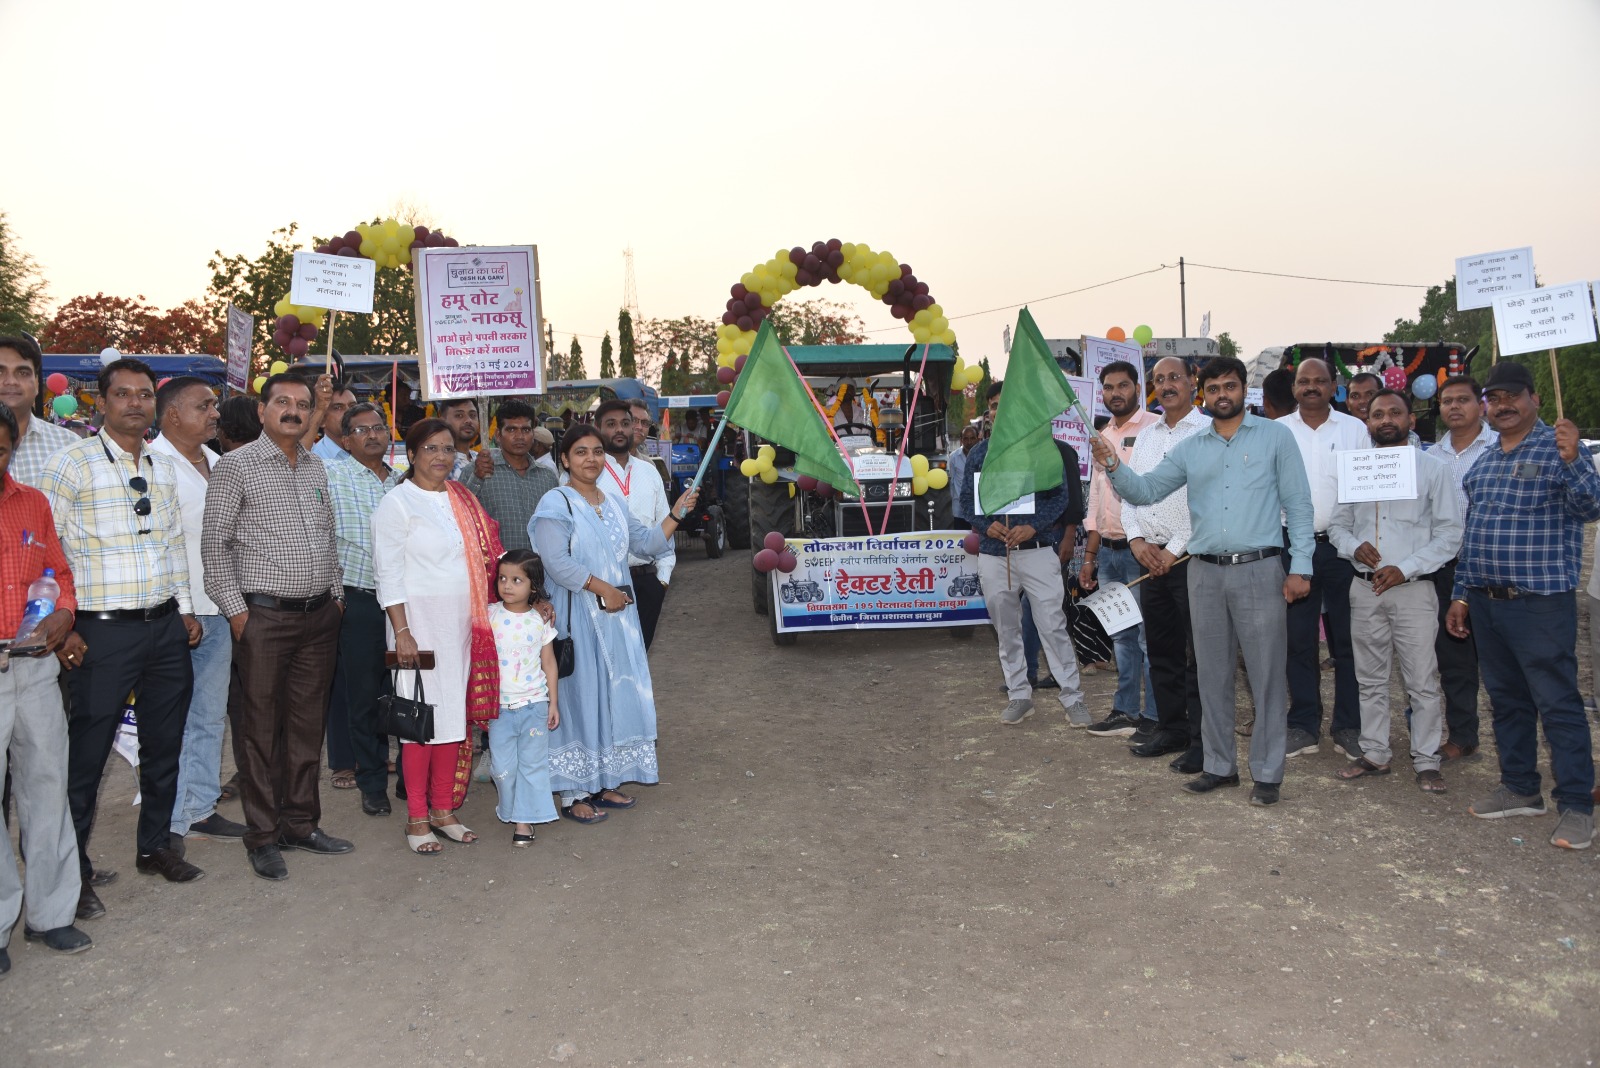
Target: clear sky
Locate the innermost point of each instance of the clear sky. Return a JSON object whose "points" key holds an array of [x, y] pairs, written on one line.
{"points": [[1006, 151]]}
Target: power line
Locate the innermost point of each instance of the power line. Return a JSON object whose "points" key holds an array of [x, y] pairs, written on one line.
{"points": [[1041, 300], [1307, 277]]}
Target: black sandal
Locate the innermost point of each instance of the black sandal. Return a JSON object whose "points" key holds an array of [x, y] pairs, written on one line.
{"points": [[599, 800], [521, 841], [596, 817]]}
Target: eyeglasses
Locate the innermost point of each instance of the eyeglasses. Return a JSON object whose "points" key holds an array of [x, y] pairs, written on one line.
{"points": [[437, 450], [139, 485], [363, 431]]}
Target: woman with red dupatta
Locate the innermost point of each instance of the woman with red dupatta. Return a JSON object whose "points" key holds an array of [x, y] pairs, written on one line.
{"points": [[434, 550]]}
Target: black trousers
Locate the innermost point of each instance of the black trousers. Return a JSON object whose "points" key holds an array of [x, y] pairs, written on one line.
{"points": [[1169, 641], [152, 660], [1331, 576], [1458, 668], [360, 680], [648, 595]]}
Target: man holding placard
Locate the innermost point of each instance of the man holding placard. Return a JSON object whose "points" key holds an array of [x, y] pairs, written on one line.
{"points": [[1394, 545], [1516, 593], [1245, 476], [1322, 434]]}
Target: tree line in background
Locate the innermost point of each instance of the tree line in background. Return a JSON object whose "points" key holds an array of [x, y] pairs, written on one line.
{"points": [[678, 353]]}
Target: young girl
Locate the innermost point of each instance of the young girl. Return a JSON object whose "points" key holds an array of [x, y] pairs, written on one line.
{"points": [[519, 739]]}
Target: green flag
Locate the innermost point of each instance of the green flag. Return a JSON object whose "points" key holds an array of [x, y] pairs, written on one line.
{"points": [[769, 399], [1022, 456]]}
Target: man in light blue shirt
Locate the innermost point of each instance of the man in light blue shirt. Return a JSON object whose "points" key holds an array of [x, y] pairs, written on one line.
{"points": [[331, 445], [957, 464], [1242, 473]]}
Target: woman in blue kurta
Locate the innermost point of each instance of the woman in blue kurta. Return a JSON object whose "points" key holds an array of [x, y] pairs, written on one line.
{"points": [[607, 735]]}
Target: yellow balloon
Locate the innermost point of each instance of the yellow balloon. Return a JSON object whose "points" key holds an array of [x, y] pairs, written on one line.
{"points": [[769, 475], [278, 367], [974, 374], [750, 468], [938, 478], [919, 484], [260, 381], [922, 334], [767, 453], [919, 464]]}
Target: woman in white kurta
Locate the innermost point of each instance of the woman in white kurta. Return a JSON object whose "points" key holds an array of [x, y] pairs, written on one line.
{"points": [[426, 558]]}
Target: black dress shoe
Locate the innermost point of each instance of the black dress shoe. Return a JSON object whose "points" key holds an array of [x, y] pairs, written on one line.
{"points": [[1192, 761], [318, 841], [1160, 745], [89, 906], [102, 877], [376, 804], [218, 826], [267, 862], [1205, 782], [1264, 793], [5, 963], [175, 843], [168, 865], [61, 939]]}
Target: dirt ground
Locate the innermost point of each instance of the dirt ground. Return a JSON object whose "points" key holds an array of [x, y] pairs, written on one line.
{"points": [[850, 862]]}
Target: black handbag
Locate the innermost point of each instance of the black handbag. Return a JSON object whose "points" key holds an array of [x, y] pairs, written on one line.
{"points": [[407, 718], [566, 653]]}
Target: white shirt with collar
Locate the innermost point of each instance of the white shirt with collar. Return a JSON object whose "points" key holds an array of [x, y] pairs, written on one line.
{"points": [[1165, 523], [548, 460], [638, 484], [1338, 433], [1461, 462], [192, 507]]}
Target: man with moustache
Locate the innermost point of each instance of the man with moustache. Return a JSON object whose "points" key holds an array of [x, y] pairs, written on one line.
{"points": [[1322, 434], [186, 412], [1159, 535], [1528, 498], [272, 567], [118, 515], [639, 411], [1106, 556], [1245, 476], [21, 371], [637, 482], [1395, 546], [331, 446], [1467, 437]]}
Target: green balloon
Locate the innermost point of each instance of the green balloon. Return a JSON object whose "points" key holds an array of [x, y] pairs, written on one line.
{"points": [[1143, 334], [64, 405]]}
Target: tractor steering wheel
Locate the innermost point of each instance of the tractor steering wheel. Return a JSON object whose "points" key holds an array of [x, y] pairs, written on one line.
{"points": [[844, 429]]}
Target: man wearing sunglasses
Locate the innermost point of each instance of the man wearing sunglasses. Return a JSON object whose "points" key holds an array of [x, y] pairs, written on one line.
{"points": [[116, 510]]}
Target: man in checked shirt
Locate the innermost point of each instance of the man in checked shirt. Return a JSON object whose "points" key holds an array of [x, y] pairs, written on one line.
{"points": [[1528, 498], [272, 568]]}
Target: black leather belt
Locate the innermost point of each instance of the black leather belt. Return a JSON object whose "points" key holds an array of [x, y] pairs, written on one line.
{"points": [[1229, 559], [1113, 543], [135, 615], [361, 589], [288, 604], [1501, 593], [1036, 543], [1323, 537]]}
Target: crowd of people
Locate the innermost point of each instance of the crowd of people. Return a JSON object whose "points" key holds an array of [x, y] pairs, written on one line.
{"points": [[1229, 527], [256, 568]]}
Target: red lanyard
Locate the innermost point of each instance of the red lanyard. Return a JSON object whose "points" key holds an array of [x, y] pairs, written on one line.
{"points": [[624, 484]]}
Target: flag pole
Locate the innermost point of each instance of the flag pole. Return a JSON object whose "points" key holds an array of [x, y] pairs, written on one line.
{"points": [[711, 450]]}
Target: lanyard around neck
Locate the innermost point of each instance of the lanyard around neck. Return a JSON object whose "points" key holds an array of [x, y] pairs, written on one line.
{"points": [[624, 483]]}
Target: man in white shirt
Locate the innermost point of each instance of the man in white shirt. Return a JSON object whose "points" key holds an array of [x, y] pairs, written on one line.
{"points": [[1395, 546], [21, 368], [1322, 434], [955, 466], [639, 484], [1158, 536], [543, 444], [1467, 436], [186, 412]]}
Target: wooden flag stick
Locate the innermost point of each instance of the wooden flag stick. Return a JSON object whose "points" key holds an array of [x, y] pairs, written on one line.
{"points": [[1008, 552], [1147, 574], [1555, 380]]}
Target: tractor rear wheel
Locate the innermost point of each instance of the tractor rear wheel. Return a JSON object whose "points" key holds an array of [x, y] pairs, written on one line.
{"points": [[736, 508]]}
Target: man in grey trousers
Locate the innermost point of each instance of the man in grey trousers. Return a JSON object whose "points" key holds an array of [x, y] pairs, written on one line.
{"points": [[1395, 546], [1242, 473]]}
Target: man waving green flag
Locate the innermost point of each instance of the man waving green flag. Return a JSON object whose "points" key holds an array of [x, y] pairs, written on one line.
{"points": [[771, 400], [1023, 457]]}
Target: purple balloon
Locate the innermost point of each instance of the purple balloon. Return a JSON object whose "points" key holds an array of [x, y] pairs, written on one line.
{"points": [[787, 561], [970, 543], [725, 375], [723, 397], [289, 323], [765, 560], [806, 482], [774, 541], [823, 489], [738, 291], [451, 242], [297, 347], [434, 240], [307, 331]]}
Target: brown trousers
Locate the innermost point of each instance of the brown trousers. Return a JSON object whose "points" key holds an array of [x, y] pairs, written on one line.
{"points": [[278, 705]]}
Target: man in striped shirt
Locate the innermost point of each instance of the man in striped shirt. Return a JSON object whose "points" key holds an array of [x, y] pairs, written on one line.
{"points": [[116, 511], [38, 439]]}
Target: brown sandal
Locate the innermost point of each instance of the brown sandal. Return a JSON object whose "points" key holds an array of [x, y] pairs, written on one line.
{"points": [[344, 779], [1360, 768], [1431, 782]]}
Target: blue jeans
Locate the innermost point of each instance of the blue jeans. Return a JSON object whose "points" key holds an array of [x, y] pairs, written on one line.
{"points": [[519, 753], [1133, 663], [200, 762], [1030, 641], [1527, 654]]}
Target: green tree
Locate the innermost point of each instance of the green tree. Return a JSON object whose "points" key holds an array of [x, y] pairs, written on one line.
{"points": [[694, 341], [818, 322], [575, 369], [22, 290], [1226, 346], [627, 364], [608, 368]]}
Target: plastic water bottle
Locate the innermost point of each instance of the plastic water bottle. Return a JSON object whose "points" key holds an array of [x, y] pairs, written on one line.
{"points": [[43, 593]]}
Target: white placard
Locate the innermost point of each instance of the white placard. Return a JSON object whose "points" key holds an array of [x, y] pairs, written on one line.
{"points": [[1255, 397], [338, 283], [1479, 279], [241, 330], [1023, 505], [478, 321], [856, 441], [872, 465], [676, 402], [1115, 606], [1068, 428], [1097, 353], [1551, 317], [1377, 475]]}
